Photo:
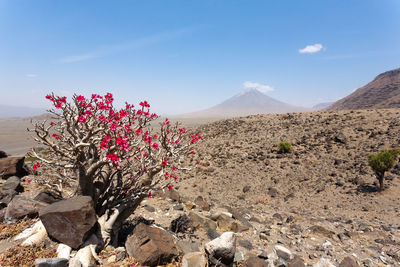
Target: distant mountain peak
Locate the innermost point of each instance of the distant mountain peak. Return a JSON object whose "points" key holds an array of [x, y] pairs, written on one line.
{"points": [[248, 102]]}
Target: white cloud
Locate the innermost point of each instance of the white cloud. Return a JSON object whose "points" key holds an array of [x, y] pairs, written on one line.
{"points": [[258, 86], [31, 75], [309, 49]]}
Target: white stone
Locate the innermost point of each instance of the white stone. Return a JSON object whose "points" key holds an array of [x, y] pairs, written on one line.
{"points": [[283, 252], [223, 246]]}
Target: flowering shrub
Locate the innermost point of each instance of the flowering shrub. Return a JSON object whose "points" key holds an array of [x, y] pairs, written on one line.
{"points": [[113, 154]]}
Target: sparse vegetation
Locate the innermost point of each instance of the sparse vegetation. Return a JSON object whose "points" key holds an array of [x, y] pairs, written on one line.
{"points": [[382, 162], [285, 147]]}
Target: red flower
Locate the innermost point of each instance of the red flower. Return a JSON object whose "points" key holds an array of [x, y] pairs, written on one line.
{"points": [[170, 187], [155, 146], [198, 162], [81, 118], [174, 169], [165, 162], [149, 194], [80, 98], [36, 166], [56, 136]]}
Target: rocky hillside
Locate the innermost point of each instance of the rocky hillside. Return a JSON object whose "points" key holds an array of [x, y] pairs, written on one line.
{"points": [[247, 204], [325, 181], [382, 92]]}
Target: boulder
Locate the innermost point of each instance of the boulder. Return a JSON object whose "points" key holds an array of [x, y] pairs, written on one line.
{"points": [[194, 259], [48, 197], [20, 207], [12, 166], [51, 262], [151, 246], [12, 183], [348, 262], [69, 221], [254, 261], [3, 154], [9, 189], [222, 250]]}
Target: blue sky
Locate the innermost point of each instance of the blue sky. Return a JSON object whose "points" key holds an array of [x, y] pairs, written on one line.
{"points": [[189, 55]]}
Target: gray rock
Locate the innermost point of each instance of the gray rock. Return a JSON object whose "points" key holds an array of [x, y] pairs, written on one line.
{"points": [[324, 262], [51, 262], [188, 246], [222, 249], [69, 221], [20, 206]]}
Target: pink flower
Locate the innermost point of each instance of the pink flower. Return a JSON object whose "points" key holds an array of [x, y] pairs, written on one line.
{"points": [[176, 178], [81, 118], [36, 166], [182, 130], [29, 181], [166, 175], [155, 146], [127, 128], [102, 118], [165, 162], [166, 122], [139, 131], [80, 98], [198, 162], [88, 112], [113, 127], [113, 157], [170, 187], [49, 97], [149, 194], [144, 104], [52, 123], [174, 169]]}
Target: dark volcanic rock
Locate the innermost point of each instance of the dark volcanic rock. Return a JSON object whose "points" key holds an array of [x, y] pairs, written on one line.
{"points": [[3, 154], [182, 224], [151, 246], [12, 166], [20, 207], [69, 221]]}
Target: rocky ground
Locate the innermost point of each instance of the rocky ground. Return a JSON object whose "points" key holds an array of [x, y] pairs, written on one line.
{"points": [[315, 206]]}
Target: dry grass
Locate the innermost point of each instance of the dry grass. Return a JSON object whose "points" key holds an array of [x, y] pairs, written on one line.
{"points": [[10, 230], [26, 256]]}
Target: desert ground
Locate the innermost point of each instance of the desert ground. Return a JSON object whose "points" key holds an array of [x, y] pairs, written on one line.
{"points": [[319, 200]]}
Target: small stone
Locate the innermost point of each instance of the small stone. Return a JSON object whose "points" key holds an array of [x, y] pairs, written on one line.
{"points": [[112, 259], [149, 208], [324, 262]]}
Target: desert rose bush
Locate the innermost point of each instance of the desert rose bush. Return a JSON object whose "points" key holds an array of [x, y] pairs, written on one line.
{"points": [[113, 155]]}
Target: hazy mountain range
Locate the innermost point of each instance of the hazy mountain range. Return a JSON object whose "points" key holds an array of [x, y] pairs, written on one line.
{"points": [[7, 111]]}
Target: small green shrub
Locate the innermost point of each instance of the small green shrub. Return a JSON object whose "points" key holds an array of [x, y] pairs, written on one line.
{"points": [[382, 162], [284, 147]]}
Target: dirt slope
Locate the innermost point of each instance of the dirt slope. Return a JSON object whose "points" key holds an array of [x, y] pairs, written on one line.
{"points": [[382, 92]]}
